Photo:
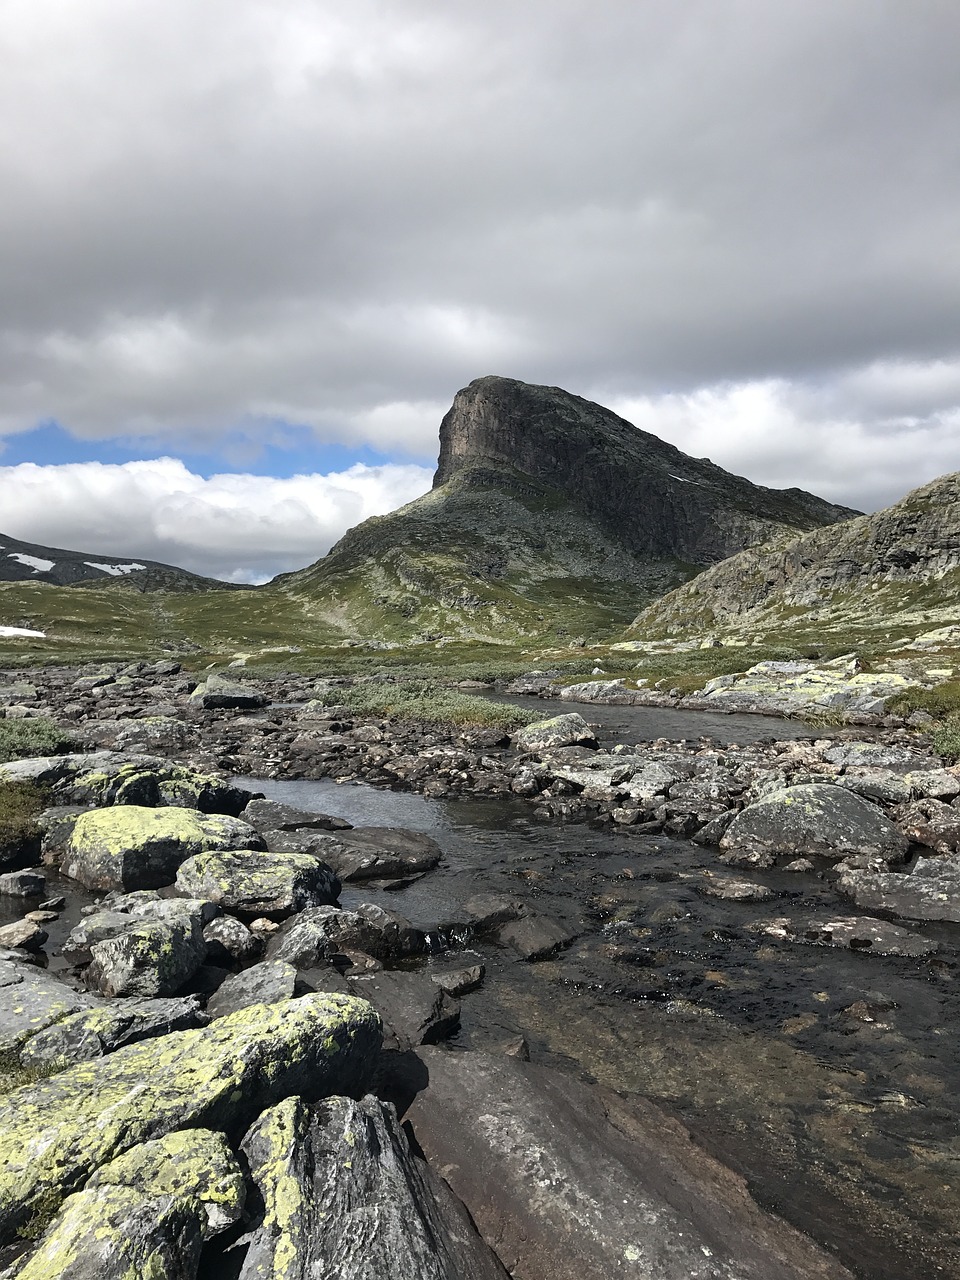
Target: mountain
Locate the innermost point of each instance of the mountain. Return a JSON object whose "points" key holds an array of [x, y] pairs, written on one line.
{"points": [[889, 575], [547, 513], [30, 562]]}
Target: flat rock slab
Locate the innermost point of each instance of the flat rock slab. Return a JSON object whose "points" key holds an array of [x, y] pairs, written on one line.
{"points": [[264, 983], [251, 883], [272, 815], [931, 891], [30, 1000], [534, 937], [371, 853], [857, 933], [137, 847], [819, 820], [572, 1182], [55, 1134], [415, 1010], [344, 1196]]}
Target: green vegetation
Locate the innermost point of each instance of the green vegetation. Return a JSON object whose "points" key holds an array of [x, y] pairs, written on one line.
{"points": [[426, 701], [21, 803], [943, 700], [36, 736], [13, 1075], [946, 737]]}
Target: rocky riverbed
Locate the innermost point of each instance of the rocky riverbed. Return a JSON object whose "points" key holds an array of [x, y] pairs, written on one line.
{"points": [[751, 944]]}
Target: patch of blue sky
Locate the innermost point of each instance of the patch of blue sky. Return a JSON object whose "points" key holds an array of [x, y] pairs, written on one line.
{"points": [[285, 450]]}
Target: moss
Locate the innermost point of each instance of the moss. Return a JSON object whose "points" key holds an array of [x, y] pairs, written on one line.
{"points": [[21, 804], [35, 736], [271, 1146]]}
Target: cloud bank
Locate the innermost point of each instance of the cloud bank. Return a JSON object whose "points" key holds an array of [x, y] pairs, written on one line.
{"points": [[243, 528]]}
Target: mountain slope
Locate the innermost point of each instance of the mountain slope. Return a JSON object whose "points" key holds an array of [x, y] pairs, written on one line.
{"points": [[892, 574], [30, 562], [547, 513]]}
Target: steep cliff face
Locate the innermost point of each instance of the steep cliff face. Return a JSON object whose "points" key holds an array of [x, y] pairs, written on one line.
{"points": [[547, 514], [655, 499], [897, 569]]}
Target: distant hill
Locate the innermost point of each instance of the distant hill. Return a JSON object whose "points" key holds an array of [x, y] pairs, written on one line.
{"points": [[547, 512], [891, 574], [30, 562]]}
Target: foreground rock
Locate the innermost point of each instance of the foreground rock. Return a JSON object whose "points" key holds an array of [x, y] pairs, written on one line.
{"points": [[56, 1133], [135, 847], [817, 820], [559, 731], [31, 1000], [931, 891], [570, 1182], [343, 1196]]}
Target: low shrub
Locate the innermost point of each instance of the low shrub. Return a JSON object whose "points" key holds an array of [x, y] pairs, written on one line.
{"points": [[946, 737], [21, 803], [35, 736], [424, 701], [940, 701]]}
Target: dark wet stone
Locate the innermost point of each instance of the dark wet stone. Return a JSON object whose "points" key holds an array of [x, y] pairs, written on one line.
{"points": [[858, 933], [272, 815], [821, 820], [535, 937], [22, 884], [367, 853], [264, 983], [571, 1182], [931, 891], [414, 1009]]}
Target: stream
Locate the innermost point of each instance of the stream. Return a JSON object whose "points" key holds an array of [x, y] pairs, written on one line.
{"points": [[827, 1077]]}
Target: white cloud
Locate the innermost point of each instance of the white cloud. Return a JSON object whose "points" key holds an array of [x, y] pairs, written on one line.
{"points": [[239, 527]]}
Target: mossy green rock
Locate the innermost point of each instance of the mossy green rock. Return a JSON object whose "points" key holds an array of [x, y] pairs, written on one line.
{"points": [[136, 847], [559, 731], [192, 1164], [56, 1133], [250, 883], [152, 958], [118, 1233], [818, 819], [31, 1000]]}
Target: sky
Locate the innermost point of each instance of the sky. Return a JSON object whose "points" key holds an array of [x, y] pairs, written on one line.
{"points": [[250, 250]]}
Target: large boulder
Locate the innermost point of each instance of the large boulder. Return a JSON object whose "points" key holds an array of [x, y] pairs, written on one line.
{"points": [[218, 693], [931, 891], [559, 731], [572, 1182], [150, 958], [91, 1033], [368, 853], [136, 847], [251, 883], [817, 819], [32, 999], [55, 1134], [415, 1010], [343, 1195]]}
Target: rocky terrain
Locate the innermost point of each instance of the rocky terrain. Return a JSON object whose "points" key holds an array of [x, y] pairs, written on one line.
{"points": [[217, 1051], [890, 575]]}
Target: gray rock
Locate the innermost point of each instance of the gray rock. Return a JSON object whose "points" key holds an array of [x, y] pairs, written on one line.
{"points": [[534, 937], [152, 958], [24, 934], [371, 853], [559, 731], [571, 1182], [229, 939], [312, 937], [879, 755], [137, 847], [882, 785], [858, 933], [414, 1009], [219, 1077], [32, 999], [264, 983], [933, 823], [114, 1233], [343, 1196], [217, 693], [271, 815], [22, 884], [730, 890], [934, 784], [818, 820], [92, 929], [930, 892], [485, 912], [457, 982], [251, 883], [91, 1033]]}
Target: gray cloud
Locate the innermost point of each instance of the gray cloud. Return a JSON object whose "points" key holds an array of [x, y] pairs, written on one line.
{"points": [[236, 211]]}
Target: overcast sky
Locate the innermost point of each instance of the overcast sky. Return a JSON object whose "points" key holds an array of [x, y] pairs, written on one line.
{"points": [[250, 249]]}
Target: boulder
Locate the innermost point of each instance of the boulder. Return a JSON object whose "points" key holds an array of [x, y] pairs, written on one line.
{"points": [[135, 847], [318, 933], [22, 884], [149, 958], [264, 983], [32, 999], [229, 940], [217, 693], [572, 1182], [933, 823], [372, 853], [819, 820], [56, 1133], [117, 1233], [559, 731], [272, 815], [251, 883], [535, 936], [91, 1033], [94, 928], [25, 935], [344, 1196]]}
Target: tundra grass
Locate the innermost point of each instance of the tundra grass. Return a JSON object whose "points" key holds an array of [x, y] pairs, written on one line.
{"points": [[427, 702], [35, 736]]}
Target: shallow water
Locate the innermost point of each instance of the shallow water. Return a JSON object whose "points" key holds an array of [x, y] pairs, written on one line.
{"points": [[849, 1128]]}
